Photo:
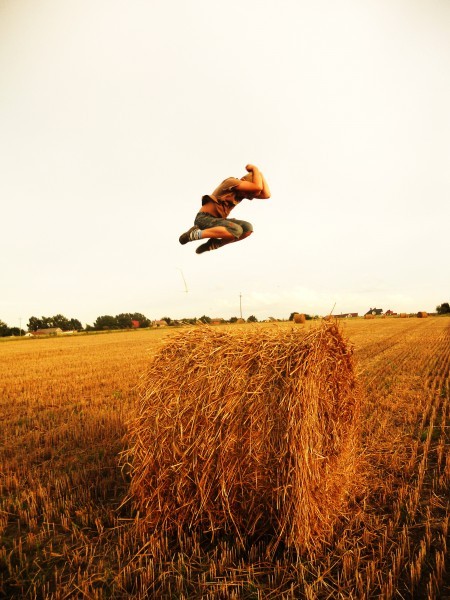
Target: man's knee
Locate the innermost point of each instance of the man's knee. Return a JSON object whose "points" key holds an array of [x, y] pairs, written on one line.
{"points": [[247, 227], [235, 230]]}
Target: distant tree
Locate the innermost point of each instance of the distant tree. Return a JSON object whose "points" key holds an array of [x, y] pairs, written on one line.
{"points": [[189, 321], [252, 319], [35, 323], [205, 319], [75, 324], [60, 321], [143, 320], [3, 329], [106, 322], [15, 331], [443, 308], [6, 331], [124, 321], [233, 320]]}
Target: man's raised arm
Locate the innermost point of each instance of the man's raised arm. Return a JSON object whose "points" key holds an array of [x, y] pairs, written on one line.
{"points": [[255, 186], [265, 193]]}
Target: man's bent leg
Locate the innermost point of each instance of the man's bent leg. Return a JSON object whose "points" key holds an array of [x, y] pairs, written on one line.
{"points": [[220, 233], [213, 244]]}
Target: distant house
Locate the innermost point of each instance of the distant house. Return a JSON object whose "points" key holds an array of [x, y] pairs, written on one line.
{"points": [[48, 331], [390, 313], [375, 311], [217, 321], [135, 324], [346, 315]]}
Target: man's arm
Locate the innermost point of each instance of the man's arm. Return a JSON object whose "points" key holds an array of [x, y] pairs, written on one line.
{"points": [[265, 193], [255, 187]]}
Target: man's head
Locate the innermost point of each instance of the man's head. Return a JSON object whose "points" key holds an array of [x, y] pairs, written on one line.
{"points": [[249, 177]]}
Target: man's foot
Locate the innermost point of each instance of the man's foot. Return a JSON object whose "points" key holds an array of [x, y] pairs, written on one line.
{"points": [[190, 235], [209, 245]]}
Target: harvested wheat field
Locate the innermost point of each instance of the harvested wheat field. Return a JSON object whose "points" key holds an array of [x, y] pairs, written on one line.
{"points": [[73, 524]]}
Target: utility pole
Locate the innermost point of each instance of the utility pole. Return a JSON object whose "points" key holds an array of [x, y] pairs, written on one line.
{"points": [[20, 326], [240, 303]]}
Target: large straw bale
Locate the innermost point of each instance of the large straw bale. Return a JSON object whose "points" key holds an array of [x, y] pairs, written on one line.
{"points": [[247, 432], [299, 318], [422, 314]]}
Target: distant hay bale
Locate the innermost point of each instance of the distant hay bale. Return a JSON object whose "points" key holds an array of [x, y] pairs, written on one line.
{"points": [[422, 314], [299, 318], [246, 433], [369, 316], [403, 316], [240, 321]]}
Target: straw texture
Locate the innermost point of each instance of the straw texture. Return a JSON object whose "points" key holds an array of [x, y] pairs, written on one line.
{"points": [[251, 433]]}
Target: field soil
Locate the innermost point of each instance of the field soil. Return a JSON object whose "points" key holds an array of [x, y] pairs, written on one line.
{"points": [[68, 529]]}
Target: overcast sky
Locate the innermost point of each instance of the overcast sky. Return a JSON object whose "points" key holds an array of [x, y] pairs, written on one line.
{"points": [[117, 116]]}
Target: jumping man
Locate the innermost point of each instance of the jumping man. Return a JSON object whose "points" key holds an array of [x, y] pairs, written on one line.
{"points": [[212, 221]]}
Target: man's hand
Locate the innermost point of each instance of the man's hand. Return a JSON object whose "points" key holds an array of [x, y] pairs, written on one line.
{"points": [[250, 168]]}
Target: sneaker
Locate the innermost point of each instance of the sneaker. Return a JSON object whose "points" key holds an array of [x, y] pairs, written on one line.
{"points": [[209, 245], [187, 236]]}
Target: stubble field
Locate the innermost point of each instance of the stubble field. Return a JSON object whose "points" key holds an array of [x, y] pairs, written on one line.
{"points": [[66, 530]]}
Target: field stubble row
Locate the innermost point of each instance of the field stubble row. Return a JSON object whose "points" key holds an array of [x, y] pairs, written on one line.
{"points": [[65, 531]]}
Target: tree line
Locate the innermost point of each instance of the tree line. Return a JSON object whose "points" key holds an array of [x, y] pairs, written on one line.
{"points": [[104, 322], [443, 309], [101, 323], [128, 321]]}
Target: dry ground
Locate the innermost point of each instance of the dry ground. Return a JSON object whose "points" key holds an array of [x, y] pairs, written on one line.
{"points": [[65, 532]]}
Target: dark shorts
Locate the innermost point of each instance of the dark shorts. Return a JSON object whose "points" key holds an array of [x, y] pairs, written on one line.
{"points": [[234, 226]]}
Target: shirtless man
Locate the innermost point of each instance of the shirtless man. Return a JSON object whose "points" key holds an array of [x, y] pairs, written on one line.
{"points": [[212, 221]]}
